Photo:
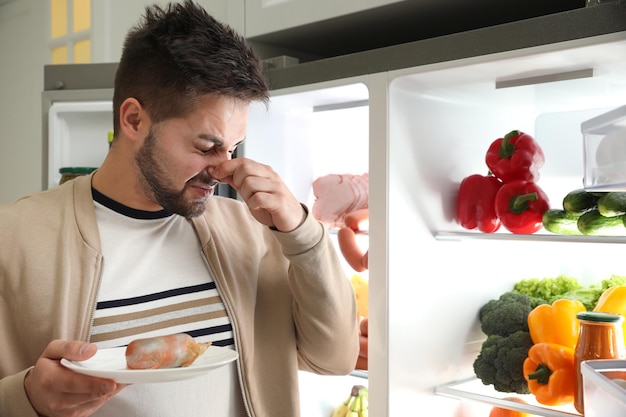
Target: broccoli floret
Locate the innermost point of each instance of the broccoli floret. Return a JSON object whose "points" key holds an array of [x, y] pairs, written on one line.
{"points": [[508, 314], [501, 360], [548, 289]]}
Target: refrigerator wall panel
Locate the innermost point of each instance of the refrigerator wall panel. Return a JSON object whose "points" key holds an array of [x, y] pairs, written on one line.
{"points": [[310, 132]]}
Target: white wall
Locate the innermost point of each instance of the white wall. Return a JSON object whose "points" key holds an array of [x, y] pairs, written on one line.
{"points": [[23, 52], [113, 18], [24, 33]]}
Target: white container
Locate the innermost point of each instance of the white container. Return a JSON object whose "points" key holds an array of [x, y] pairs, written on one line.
{"points": [[604, 139], [604, 397]]}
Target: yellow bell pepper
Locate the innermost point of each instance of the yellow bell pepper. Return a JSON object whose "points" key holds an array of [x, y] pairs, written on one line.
{"points": [[613, 300], [361, 291], [556, 323]]}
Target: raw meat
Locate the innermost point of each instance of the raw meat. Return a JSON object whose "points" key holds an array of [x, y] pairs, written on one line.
{"points": [[337, 195]]}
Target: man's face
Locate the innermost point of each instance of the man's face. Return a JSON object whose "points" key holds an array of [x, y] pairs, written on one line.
{"points": [[176, 153]]}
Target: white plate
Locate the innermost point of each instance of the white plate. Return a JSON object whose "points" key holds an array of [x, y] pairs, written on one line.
{"points": [[111, 364]]}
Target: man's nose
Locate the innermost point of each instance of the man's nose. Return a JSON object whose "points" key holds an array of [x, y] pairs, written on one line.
{"points": [[217, 160]]}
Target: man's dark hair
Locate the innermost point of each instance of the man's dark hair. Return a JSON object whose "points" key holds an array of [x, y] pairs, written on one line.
{"points": [[177, 54]]}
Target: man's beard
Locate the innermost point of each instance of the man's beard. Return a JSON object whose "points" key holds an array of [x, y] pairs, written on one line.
{"points": [[156, 183]]}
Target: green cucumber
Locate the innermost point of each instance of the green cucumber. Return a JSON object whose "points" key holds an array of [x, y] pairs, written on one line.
{"points": [[594, 224], [561, 222], [612, 204], [579, 201]]}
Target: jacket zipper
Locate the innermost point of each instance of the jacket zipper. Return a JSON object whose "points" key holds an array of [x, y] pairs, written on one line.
{"points": [[235, 332], [94, 302]]}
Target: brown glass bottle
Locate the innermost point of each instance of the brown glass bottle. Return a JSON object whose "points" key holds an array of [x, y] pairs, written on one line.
{"points": [[600, 337]]}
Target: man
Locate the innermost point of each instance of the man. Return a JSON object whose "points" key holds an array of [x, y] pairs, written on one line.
{"points": [[142, 248]]}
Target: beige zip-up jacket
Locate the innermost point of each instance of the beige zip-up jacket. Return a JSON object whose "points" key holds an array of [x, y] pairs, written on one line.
{"points": [[290, 302]]}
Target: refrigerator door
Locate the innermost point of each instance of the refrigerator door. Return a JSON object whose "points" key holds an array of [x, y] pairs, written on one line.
{"points": [[79, 132], [76, 121]]}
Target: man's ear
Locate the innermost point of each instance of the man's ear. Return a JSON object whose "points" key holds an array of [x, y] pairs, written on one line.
{"points": [[133, 119]]}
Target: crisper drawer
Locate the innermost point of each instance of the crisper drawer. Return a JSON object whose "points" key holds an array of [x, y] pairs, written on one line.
{"points": [[604, 388], [604, 139]]}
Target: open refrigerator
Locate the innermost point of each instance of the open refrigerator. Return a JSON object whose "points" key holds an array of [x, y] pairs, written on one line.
{"points": [[418, 118]]}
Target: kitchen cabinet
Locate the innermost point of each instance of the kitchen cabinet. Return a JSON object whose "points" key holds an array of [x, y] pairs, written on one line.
{"points": [[312, 30], [267, 16]]}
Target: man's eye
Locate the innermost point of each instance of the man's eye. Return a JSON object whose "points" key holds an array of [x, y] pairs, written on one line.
{"points": [[206, 150]]}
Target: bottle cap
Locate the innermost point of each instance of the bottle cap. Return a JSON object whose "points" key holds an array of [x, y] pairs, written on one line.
{"points": [[599, 316], [76, 170]]}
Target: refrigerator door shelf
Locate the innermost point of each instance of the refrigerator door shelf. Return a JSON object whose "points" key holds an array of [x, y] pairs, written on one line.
{"points": [[80, 131]]}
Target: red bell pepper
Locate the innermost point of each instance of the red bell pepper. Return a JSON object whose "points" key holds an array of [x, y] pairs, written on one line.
{"points": [[520, 206], [516, 156], [476, 203]]}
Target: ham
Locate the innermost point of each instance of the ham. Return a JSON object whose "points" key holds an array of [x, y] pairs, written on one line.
{"points": [[337, 195]]}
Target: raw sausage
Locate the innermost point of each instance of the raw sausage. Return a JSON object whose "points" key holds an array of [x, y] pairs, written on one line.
{"points": [[354, 219], [346, 237], [361, 362], [350, 250], [172, 351]]}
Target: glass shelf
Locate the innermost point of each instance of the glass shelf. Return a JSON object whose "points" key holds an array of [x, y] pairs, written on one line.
{"points": [[360, 374], [473, 389], [469, 235]]}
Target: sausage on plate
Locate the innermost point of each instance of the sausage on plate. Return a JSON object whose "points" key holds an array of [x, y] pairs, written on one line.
{"points": [[346, 238], [171, 351]]}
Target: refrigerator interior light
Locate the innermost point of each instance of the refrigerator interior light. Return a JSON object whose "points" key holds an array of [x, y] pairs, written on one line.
{"points": [[549, 78]]}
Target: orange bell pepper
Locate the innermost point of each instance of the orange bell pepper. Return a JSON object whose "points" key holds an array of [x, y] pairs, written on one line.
{"points": [[550, 372], [556, 323], [506, 412], [613, 300]]}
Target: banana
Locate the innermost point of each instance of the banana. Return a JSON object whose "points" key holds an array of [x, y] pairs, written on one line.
{"points": [[356, 405], [342, 409], [352, 412], [364, 402], [364, 405]]}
